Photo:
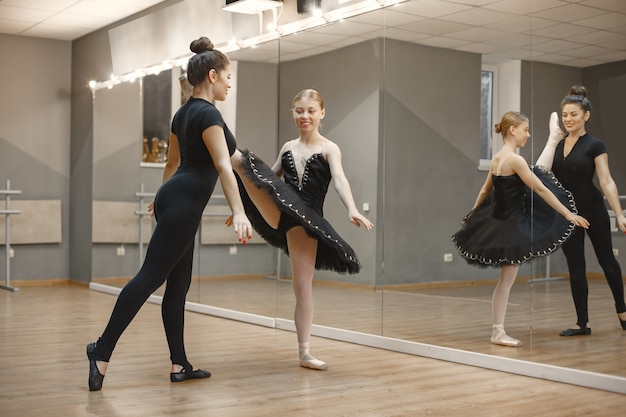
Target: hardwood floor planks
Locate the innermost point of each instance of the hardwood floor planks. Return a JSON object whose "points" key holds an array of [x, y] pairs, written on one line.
{"points": [[43, 371]]}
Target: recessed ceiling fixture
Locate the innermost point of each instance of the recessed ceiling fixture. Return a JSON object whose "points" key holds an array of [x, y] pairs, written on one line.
{"points": [[251, 6]]}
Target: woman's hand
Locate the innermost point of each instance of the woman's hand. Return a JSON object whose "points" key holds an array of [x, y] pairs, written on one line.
{"points": [[242, 226], [621, 222], [358, 219], [579, 221]]}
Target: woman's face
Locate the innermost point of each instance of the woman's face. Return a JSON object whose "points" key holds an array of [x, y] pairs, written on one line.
{"points": [[574, 117], [221, 82], [307, 114], [521, 134]]}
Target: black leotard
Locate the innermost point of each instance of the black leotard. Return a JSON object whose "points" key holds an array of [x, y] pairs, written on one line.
{"points": [[178, 208], [576, 173]]}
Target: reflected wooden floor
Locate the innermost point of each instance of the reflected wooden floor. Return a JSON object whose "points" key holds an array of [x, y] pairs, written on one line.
{"points": [[460, 318], [43, 371]]}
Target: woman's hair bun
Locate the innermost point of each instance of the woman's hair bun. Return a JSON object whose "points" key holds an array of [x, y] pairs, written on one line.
{"points": [[201, 45], [578, 90]]}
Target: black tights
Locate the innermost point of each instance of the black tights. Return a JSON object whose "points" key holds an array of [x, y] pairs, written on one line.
{"points": [[599, 233], [169, 256]]}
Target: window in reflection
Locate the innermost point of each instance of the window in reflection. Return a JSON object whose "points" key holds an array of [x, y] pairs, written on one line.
{"points": [[486, 114]]}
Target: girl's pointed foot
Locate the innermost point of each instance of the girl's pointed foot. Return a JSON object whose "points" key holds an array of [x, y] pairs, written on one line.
{"points": [[499, 337]]}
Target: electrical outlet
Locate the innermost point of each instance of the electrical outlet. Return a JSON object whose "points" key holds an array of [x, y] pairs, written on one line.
{"points": [[121, 251], [11, 253], [616, 252], [447, 257], [232, 250]]}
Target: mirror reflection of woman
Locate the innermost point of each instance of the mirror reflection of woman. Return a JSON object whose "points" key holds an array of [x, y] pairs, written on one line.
{"points": [[503, 230], [199, 154], [575, 161], [288, 214]]}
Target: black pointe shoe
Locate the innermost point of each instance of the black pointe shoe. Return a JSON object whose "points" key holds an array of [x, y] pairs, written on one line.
{"points": [[95, 377], [183, 375], [583, 331]]}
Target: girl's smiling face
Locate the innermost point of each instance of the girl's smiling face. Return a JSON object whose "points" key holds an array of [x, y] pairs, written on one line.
{"points": [[307, 114]]}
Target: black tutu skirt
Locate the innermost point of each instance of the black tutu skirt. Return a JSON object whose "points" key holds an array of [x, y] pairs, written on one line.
{"points": [[514, 225], [333, 252]]}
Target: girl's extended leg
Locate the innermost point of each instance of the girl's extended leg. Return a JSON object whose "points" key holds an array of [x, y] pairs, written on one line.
{"points": [[499, 303], [302, 252], [262, 201]]}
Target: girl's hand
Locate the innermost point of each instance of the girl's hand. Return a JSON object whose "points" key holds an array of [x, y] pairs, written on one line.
{"points": [[358, 219], [151, 208], [242, 226]]}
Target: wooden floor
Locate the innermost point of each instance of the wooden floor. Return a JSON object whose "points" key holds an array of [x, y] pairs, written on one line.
{"points": [[43, 371]]}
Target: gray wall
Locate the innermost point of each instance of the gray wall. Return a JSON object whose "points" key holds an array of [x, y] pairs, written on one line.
{"points": [[34, 142], [431, 142]]}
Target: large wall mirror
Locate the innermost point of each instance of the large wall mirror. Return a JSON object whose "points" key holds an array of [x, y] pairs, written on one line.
{"points": [[405, 89]]}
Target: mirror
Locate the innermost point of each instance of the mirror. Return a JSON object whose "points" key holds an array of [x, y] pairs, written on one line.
{"points": [[402, 87], [117, 177], [233, 276]]}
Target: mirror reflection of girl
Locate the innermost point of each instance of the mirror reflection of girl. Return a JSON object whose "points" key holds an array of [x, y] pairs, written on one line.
{"points": [[575, 161], [503, 230], [199, 154], [288, 214]]}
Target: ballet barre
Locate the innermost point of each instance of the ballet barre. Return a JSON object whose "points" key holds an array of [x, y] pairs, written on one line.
{"points": [[7, 235], [142, 213]]}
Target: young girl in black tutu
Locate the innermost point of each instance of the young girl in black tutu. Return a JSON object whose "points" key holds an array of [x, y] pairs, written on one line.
{"points": [[288, 214], [507, 225]]}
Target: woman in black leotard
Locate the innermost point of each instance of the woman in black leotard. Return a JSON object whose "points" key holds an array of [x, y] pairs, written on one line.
{"points": [[200, 146], [288, 214], [574, 161]]}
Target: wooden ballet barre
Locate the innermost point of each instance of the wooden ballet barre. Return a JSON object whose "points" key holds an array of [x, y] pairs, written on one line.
{"points": [[142, 213]]}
